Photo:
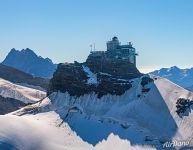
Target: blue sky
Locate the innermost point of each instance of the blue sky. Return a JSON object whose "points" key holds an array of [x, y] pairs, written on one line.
{"points": [[161, 30]]}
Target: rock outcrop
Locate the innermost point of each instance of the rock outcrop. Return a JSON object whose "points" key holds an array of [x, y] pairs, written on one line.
{"points": [[109, 77], [184, 107]]}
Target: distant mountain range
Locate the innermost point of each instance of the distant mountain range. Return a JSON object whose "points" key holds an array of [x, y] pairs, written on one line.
{"points": [[182, 77], [27, 61]]}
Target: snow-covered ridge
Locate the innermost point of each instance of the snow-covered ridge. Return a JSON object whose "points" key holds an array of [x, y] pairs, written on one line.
{"points": [[152, 116], [15, 133], [18, 92], [143, 118], [36, 133], [146, 120]]}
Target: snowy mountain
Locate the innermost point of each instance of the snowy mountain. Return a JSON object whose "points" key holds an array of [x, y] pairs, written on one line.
{"points": [[13, 96], [99, 106], [139, 119], [26, 60], [182, 77]]}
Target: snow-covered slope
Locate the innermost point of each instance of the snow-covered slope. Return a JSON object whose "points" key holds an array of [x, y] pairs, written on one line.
{"points": [[18, 92], [182, 77], [143, 118], [50, 132], [27, 133]]}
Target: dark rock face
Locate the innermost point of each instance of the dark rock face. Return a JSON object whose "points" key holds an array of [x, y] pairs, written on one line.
{"points": [[8, 105], [16, 76], [116, 67], [112, 78], [184, 107], [69, 77], [27, 61], [144, 82]]}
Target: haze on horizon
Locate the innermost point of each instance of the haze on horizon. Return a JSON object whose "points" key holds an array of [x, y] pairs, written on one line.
{"points": [[161, 31]]}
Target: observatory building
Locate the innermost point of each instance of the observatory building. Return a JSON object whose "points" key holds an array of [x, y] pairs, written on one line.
{"points": [[115, 51]]}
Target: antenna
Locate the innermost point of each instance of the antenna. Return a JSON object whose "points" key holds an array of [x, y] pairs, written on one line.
{"points": [[94, 46], [91, 47]]}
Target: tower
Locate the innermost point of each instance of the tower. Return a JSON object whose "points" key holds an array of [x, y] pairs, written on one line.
{"points": [[113, 44]]}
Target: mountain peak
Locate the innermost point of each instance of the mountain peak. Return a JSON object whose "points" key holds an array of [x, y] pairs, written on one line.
{"points": [[28, 61], [13, 49], [48, 59], [28, 51], [175, 68]]}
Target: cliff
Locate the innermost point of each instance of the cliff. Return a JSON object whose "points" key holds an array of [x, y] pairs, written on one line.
{"points": [[110, 77]]}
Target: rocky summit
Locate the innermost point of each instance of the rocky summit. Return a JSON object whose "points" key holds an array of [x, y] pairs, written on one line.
{"points": [[103, 73], [29, 62]]}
